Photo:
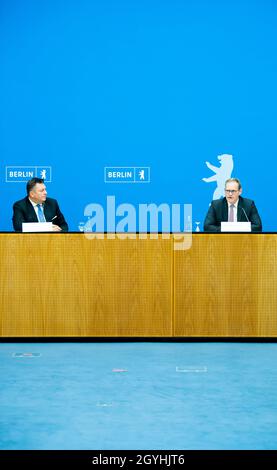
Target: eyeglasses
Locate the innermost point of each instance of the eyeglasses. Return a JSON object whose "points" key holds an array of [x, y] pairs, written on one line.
{"points": [[231, 191]]}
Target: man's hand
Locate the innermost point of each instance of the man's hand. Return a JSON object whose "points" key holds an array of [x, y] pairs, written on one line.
{"points": [[56, 228]]}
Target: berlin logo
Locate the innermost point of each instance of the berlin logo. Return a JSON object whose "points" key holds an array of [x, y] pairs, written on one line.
{"points": [[127, 174], [21, 174], [221, 174]]}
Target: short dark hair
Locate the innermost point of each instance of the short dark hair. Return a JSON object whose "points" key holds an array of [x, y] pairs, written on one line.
{"points": [[31, 183]]}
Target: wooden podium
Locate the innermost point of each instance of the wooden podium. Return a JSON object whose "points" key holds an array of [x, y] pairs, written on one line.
{"points": [[65, 285]]}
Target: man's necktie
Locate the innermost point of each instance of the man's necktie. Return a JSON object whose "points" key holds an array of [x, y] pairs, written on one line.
{"points": [[231, 213], [41, 217]]}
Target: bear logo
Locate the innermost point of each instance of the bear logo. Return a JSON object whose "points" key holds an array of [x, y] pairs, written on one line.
{"points": [[221, 174]]}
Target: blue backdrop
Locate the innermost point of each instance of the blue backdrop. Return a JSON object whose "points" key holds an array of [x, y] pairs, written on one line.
{"points": [[168, 84]]}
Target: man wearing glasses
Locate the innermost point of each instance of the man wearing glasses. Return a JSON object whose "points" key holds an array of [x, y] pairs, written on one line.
{"points": [[232, 208]]}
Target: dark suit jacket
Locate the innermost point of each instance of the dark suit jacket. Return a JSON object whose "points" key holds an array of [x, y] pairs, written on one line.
{"points": [[23, 211], [218, 212]]}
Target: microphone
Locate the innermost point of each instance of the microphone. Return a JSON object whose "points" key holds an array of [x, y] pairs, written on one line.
{"points": [[245, 214]]}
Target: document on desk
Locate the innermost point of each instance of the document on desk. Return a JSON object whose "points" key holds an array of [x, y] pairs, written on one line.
{"points": [[235, 226], [37, 227]]}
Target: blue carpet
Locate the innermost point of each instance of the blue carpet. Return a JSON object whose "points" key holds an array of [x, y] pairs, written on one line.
{"points": [[138, 396]]}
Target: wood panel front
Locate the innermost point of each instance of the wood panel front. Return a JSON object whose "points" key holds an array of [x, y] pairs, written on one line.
{"points": [[67, 285], [226, 285]]}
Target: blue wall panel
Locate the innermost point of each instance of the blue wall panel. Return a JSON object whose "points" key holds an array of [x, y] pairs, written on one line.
{"points": [[166, 84]]}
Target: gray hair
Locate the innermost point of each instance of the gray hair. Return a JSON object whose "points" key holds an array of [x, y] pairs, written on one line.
{"points": [[233, 180]]}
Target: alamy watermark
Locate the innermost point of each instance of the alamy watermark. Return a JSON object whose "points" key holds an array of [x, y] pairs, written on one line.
{"points": [[143, 221]]}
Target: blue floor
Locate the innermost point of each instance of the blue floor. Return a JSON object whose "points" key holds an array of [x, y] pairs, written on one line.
{"points": [[138, 396]]}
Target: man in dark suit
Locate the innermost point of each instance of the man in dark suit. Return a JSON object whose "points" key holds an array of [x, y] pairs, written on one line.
{"points": [[36, 207], [232, 208]]}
